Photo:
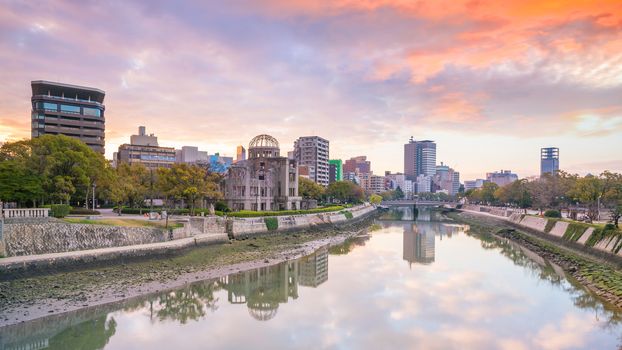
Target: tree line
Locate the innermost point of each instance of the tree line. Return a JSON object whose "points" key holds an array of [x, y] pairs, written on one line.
{"points": [[56, 169], [557, 191]]}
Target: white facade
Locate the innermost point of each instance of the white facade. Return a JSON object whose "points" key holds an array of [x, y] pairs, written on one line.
{"points": [[424, 184], [473, 184], [313, 151]]}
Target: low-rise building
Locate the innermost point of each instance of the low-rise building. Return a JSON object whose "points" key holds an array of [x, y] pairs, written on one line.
{"points": [[501, 178], [264, 181], [144, 149], [473, 184]]}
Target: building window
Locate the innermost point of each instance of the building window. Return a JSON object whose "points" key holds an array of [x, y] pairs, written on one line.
{"points": [[49, 106], [93, 112], [70, 109]]}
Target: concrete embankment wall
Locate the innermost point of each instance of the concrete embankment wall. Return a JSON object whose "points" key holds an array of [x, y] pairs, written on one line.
{"points": [[33, 237], [245, 227], [51, 236], [575, 232]]}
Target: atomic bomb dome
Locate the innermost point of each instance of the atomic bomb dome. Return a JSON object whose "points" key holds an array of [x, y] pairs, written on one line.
{"points": [[263, 146]]}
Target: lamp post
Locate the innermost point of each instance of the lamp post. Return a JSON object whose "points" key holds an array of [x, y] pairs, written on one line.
{"points": [[598, 206], [93, 206]]}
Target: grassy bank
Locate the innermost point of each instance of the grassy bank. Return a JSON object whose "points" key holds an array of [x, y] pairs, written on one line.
{"points": [[603, 277]]}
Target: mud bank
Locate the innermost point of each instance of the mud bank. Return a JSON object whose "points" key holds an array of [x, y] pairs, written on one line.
{"points": [[32, 298]]}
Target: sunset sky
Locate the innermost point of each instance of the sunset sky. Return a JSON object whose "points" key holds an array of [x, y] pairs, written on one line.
{"points": [[490, 81]]}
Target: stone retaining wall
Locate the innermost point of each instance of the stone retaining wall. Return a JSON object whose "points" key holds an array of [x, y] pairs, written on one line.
{"points": [[558, 228], [244, 227], [55, 237]]}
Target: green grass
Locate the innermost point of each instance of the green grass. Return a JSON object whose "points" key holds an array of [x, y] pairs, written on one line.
{"points": [[271, 223], [574, 231], [549, 225], [122, 222]]}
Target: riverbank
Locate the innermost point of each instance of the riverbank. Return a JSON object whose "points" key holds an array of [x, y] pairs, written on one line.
{"points": [[600, 275], [35, 297]]}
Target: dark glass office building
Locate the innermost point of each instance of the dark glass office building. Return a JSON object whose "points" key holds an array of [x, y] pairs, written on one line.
{"points": [[71, 110], [549, 160]]}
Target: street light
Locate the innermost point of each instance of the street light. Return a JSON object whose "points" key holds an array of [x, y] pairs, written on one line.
{"points": [[598, 219]]}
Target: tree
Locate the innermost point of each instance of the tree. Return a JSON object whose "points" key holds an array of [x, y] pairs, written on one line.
{"points": [[49, 167], [588, 190], [191, 183], [488, 192], [345, 191], [612, 195], [375, 199], [387, 195], [399, 194], [309, 189]]}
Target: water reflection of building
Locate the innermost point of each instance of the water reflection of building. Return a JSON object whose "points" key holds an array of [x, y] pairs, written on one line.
{"points": [[314, 268], [263, 289], [418, 245]]}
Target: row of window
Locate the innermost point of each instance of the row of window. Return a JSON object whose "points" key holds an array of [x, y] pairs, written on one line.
{"points": [[55, 107]]}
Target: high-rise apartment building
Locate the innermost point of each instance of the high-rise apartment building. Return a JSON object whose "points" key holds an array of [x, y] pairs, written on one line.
{"points": [[446, 179], [144, 149], [549, 160], [419, 158], [71, 110], [313, 151], [335, 170]]}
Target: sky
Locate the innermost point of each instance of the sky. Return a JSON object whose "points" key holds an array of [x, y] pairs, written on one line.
{"points": [[490, 81]]}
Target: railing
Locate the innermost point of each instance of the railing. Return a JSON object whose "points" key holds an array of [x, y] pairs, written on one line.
{"points": [[26, 213]]}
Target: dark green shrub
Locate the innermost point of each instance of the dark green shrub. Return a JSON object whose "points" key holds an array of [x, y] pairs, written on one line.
{"points": [[60, 210], [347, 214], [271, 223], [221, 206], [552, 213], [610, 226], [83, 211]]}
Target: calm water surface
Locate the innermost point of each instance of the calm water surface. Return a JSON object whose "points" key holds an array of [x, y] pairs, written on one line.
{"points": [[423, 284]]}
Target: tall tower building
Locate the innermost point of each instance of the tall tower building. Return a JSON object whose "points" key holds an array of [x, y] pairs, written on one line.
{"points": [[549, 160], [71, 110], [312, 152], [419, 158], [240, 153]]}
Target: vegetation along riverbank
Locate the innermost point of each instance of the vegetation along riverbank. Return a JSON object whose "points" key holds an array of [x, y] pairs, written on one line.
{"points": [[601, 275]]}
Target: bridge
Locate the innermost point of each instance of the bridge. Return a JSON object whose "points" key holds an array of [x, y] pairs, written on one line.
{"points": [[417, 202]]}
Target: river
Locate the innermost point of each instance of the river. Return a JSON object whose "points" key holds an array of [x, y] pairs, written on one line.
{"points": [[423, 284]]}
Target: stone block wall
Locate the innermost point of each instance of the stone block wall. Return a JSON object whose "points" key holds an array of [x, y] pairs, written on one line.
{"points": [[56, 237]]}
